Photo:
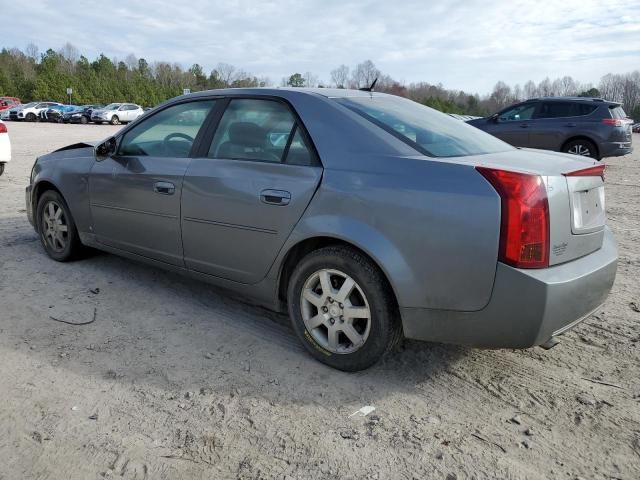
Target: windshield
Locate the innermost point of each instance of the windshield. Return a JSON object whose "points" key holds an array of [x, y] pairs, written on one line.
{"points": [[112, 106], [30, 104], [428, 131]]}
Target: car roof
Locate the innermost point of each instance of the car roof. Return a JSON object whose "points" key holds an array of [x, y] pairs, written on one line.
{"points": [[572, 99], [280, 91]]}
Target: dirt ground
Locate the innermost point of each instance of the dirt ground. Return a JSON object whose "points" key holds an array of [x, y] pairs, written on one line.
{"points": [[176, 379]]}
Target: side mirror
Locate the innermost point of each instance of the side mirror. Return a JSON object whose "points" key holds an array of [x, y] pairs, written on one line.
{"points": [[107, 148], [494, 117]]}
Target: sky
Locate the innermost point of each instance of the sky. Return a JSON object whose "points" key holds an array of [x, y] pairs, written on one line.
{"points": [[462, 44]]}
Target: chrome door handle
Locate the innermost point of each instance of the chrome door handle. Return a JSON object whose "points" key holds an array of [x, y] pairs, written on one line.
{"points": [[275, 197], [524, 125], [164, 188]]}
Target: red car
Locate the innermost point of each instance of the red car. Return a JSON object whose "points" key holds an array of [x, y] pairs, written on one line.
{"points": [[8, 102]]}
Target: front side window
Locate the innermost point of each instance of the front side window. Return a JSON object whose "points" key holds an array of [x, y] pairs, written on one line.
{"points": [[428, 131], [253, 129], [517, 114], [166, 134]]}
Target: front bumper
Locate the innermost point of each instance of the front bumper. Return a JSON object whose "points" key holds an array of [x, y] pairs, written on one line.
{"points": [[527, 307]]}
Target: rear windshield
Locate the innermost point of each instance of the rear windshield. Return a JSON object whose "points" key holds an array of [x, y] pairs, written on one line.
{"points": [[428, 131], [617, 111]]}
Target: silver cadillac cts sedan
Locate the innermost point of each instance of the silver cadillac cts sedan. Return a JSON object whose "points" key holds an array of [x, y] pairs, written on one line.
{"points": [[366, 216]]}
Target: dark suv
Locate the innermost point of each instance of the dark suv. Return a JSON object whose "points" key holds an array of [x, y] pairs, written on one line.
{"points": [[583, 126]]}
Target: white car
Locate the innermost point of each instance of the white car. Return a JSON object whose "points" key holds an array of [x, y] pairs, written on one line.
{"points": [[30, 111], [117, 113], [5, 146]]}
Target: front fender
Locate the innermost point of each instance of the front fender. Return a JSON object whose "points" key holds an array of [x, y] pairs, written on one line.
{"points": [[68, 172]]}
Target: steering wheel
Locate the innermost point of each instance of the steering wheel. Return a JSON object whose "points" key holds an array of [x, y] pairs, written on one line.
{"points": [[178, 135], [171, 136]]}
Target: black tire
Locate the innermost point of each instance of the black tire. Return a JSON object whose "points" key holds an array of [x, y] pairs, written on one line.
{"points": [[575, 147], [30, 117], [115, 120], [72, 247], [1, 168], [384, 323], [83, 120]]}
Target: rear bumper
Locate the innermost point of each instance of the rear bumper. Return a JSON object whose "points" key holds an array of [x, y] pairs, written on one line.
{"points": [[527, 307], [615, 149]]}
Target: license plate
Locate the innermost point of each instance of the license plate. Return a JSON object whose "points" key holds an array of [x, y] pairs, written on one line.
{"points": [[588, 210]]}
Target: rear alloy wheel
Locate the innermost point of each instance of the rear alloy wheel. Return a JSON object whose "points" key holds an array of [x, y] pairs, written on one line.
{"points": [[57, 229], [584, 148], [83, 120], [115, 120], [341, 308]]}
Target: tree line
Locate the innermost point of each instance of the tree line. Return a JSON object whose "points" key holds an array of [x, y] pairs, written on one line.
{"points": [[32, 75]]}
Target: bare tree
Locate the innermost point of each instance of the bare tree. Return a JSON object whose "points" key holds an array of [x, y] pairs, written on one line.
{"points": [[364, 74], [227, 73], [340, 76], [544, 88], [530, 90], [32, 51], [310, 80]]}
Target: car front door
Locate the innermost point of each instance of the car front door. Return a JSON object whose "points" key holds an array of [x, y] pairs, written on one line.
{"points": [[244, 193], [135, 193], [512, 125]]}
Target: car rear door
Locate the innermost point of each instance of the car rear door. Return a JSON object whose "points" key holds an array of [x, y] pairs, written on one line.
{"points": [[556, 121], [246, 190], [135, 194]]}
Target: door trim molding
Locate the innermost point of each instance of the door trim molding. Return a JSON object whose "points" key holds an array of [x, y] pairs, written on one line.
{"points": [[230, 225]]}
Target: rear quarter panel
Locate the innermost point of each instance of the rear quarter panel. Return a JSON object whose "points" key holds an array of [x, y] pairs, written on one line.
{"points": [[433, 227]]}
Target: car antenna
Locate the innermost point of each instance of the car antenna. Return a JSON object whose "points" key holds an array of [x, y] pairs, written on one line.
{"points": [[369, 89]]}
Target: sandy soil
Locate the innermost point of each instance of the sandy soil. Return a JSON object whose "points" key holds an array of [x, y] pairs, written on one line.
{"points": [[175, 379]]}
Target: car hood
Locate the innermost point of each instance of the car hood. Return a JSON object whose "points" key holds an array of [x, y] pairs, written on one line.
{"points": [[76, 146]]}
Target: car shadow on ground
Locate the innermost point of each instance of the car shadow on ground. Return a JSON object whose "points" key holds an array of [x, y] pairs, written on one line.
{"points": [[175, 333]]}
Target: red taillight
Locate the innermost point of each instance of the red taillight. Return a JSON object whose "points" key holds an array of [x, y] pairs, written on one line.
{"points": [[614, 122], [524, 226], [3, 128], [595, 171]]}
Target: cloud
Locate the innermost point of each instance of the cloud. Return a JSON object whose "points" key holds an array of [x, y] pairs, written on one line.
{"points": [[462, 44]]}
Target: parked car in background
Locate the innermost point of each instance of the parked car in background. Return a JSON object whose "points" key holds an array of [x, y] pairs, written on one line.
{"points": [[366, 216], [8, 102], [5, 146], [636, 128], [117, 113], [30, 112], [81, 115], [54, 114], [590, 127]]}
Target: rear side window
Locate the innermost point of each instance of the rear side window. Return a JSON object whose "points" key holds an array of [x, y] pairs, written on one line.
{"points": [[260, 130], [428, 131], [564, 109], [617, 112]]}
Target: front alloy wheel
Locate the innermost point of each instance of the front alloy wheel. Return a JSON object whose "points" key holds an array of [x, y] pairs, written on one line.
{"points": [[54, 227]]}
